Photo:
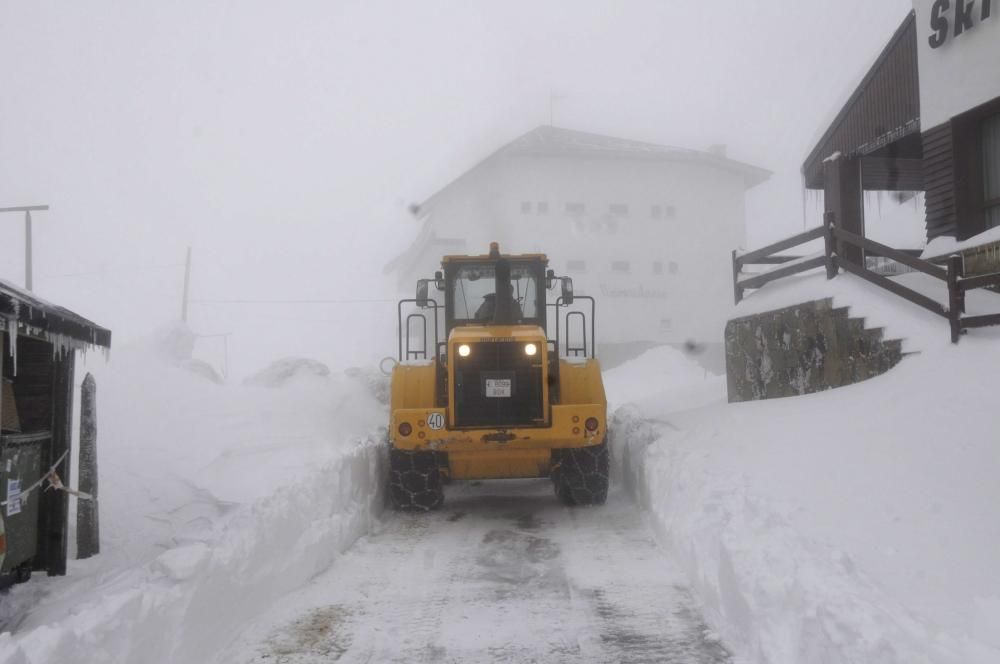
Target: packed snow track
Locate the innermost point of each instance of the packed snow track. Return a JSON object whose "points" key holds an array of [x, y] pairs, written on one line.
{"points": [[503, 573]]}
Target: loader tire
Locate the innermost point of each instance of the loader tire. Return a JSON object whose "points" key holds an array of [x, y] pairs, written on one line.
{"points": [[580, 476], [415, 480]]}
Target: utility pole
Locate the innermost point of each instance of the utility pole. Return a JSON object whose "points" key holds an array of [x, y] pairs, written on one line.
{"points": [[187, 284], [28, 253], [553, 98]]}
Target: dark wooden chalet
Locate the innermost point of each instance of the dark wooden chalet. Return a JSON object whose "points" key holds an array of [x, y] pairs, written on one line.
{"points": [[38, 344], [876, 142]]}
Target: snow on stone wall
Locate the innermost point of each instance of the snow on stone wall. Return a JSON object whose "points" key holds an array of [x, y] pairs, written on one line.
{"points": [[805, 348]]}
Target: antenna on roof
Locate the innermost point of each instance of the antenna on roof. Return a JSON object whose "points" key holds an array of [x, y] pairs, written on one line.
{"points": [[28, 252]]}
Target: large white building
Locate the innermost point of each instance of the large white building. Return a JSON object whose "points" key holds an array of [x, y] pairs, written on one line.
{"points": [[646, 229]]}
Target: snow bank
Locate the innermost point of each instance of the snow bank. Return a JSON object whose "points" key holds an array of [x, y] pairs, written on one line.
{"points": [[215, 501], [282, 371], [855, 525], [662, 375]]}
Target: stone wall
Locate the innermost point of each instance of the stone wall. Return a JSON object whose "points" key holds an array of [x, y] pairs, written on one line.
{"points": [[802, 349]]}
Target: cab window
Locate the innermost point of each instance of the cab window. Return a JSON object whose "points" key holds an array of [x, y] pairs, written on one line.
{"points": [[474, 297]]}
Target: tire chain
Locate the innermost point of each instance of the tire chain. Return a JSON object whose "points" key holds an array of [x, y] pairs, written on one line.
{"points": [[580, 476], [415, 481]]}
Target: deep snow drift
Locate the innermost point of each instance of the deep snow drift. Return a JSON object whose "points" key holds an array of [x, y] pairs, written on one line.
{"points": [[215, 500], [855, 525]]}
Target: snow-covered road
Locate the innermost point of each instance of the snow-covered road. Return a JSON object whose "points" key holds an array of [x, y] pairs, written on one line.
{"points": [[503, 573]]}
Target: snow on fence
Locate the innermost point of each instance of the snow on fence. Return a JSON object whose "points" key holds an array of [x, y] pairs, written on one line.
{"points": [[837, 244]]}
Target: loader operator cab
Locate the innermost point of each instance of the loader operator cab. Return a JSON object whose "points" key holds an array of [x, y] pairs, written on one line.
{"points": [[494, 291]]}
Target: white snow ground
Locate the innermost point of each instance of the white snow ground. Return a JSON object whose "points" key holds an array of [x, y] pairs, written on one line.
{"points": [[855, 525], [502, 574]]}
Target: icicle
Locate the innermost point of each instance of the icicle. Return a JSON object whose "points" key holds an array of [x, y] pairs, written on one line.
{"points": [[13, 347]]}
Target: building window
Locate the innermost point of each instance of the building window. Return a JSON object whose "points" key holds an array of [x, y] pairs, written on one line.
{"points": [[663, 212], [618, 209], [576, 266], [575, 208], [620, 266], [542, 207], [991, 170], [525, 207], [672, 267], [657, 267]]}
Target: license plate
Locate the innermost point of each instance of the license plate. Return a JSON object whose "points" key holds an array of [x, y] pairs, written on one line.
{"points": [[498, 387]]}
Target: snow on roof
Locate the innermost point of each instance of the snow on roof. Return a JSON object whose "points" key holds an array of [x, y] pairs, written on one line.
{"points": [[946, 245], [26, 308], [549, 141]]}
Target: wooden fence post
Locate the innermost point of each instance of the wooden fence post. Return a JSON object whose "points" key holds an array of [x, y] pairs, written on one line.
{"points": [[737, 291], [956, 297], [88, 540], [829, 218]]}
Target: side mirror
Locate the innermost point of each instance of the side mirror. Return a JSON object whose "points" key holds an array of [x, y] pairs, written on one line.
{"points": [[422, 299], [567, 290], [550, 277], [439, 280]]}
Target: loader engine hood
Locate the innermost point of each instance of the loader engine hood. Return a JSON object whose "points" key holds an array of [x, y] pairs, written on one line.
{"points": [[498, 376]]}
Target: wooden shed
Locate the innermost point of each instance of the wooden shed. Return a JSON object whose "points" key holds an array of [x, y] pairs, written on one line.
{"points": [[38, 349]]}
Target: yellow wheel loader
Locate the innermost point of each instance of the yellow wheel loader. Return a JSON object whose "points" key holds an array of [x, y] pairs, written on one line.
{"points": [[498, 397]]}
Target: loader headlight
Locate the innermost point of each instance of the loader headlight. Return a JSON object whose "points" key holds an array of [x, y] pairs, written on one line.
{"points": [[530, 349], [591, 424], [464, 350], [405, 429]]}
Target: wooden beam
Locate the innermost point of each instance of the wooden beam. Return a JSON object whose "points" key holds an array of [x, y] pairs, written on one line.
{"points": [[844, 197], [787, 243], [981, 321], [759, 280], [906, 293], [980, 281], [888, 252]]}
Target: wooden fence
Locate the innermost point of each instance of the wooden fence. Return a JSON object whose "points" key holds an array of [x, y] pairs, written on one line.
{"points": [[835, 240]]}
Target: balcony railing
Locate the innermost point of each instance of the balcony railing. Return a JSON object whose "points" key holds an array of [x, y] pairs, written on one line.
{"points": [[836, 241]]}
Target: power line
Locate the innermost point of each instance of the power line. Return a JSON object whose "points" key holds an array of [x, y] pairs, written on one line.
{"points": [[372, 301], [112, 271]]}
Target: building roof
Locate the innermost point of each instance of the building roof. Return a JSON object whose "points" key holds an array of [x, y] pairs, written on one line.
{"points": [[549, 141], [27, 311], [880, 121]]}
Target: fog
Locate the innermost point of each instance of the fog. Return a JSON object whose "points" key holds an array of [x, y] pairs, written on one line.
{"points": [[284, 142]]}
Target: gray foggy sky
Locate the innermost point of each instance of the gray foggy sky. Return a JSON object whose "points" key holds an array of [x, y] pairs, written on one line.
{"points": [[284, 140]]}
